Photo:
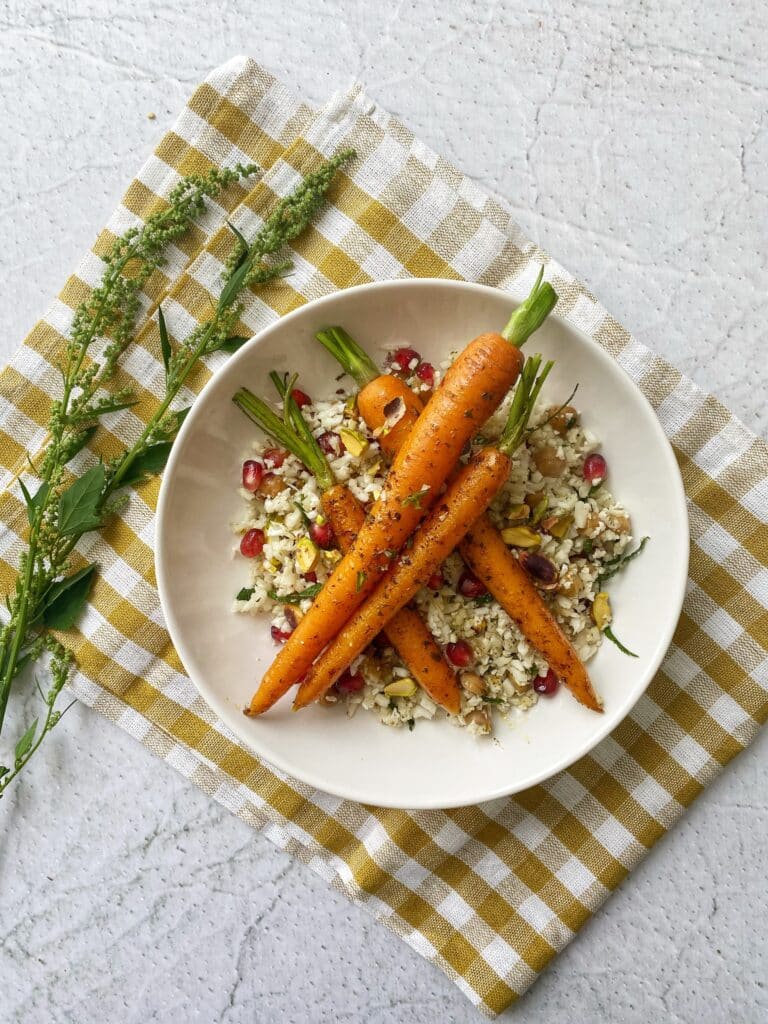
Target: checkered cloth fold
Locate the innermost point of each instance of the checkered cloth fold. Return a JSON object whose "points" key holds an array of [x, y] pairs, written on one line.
{"points": [[489, 893]]}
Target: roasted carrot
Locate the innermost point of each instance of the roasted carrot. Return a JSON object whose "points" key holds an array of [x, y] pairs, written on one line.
{"points": [[471, 390], [483, 548], [407, 632], [470, 492], [491, 561]]}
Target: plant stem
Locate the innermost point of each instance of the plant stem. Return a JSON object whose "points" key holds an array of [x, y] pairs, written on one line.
{"points": [[532, 313], [345, 350]]}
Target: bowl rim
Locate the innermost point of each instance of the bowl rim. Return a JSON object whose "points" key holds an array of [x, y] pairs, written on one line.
{"points": [[224, 710]]}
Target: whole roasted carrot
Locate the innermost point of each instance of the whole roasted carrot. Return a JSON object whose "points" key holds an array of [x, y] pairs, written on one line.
{"points": [[469, 494], [482, 548], [406, 632], [471, 390]]}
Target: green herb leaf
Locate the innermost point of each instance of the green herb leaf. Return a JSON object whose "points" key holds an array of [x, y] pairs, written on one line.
{"points": [[587, 545], [493, 700], [360, 581], [615, 565], [304, 517], [66, 599], [312, 591], [416, 498], [101, 408], [245, 594], [4, 769], [243, 245], [25, 743], [79, 509], [81, 440], [233, 286], [165, 341], [33, 502], [231, 344], [614, 640], [411, 724], [149, 463], [484, 599]]}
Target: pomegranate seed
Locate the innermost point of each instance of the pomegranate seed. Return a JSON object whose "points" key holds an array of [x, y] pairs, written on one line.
{"points": [[322, 535], [426, 373], [331, 442], [435, 581], [310, 577], [403, 357], [350, 682], [547, 684], [470, 585], [275, 457], [460, 653], [279, 635], [301, 398], [595, 468], [253, 473], [252, 543]]}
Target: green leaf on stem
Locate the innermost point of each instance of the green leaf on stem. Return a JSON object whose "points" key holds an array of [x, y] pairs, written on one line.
{"points": [[66, 599], [230, 344], [232, 287], [81, 440], [148, 463], [165, 341], [34, 501], [102, 409], [79, 505], [4, 769], [243, 245], [24, 745]]}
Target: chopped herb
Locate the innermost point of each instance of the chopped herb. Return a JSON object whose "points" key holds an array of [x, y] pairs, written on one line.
{"points": [[614, 640], [615, 565], [392, 704], [360, 581], [587, 545], [245, 594], [595, 487], [304, 517], [297, 596], [484, 599], [411, 724], [557, 412], [416, 498], [493, 700]]}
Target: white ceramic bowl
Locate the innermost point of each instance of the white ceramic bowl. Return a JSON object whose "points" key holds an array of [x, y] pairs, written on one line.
{"points": [[225, 654]]}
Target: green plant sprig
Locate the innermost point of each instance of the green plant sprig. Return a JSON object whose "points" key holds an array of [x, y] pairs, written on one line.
{"points": [[46, 595]]}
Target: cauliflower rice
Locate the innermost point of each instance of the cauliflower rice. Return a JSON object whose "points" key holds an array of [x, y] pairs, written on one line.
{"points": [[595, 530]]}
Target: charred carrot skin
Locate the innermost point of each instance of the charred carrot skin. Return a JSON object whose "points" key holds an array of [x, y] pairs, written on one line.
{"points": [[475, 385], [472, 490], [491, 561]]}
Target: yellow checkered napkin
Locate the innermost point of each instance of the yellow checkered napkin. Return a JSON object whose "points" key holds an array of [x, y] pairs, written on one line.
{"points": [[488, 893]]}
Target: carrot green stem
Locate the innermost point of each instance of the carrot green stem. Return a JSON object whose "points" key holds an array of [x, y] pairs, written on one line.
{"points": [[352, 358], [532, 313], [524, 399], [298, 441]]}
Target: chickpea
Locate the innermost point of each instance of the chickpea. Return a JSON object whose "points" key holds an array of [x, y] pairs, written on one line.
{"points": [[591, 523], [473, 683], [548, 462], [479, 718], [272, 485], [562, 421], [571, 584]]}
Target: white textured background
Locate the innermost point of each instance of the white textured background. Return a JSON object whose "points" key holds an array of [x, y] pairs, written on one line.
{"points": [[631, 141]]}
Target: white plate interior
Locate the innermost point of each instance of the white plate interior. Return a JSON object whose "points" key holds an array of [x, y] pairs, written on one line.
{"points": [[436, 765]]}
